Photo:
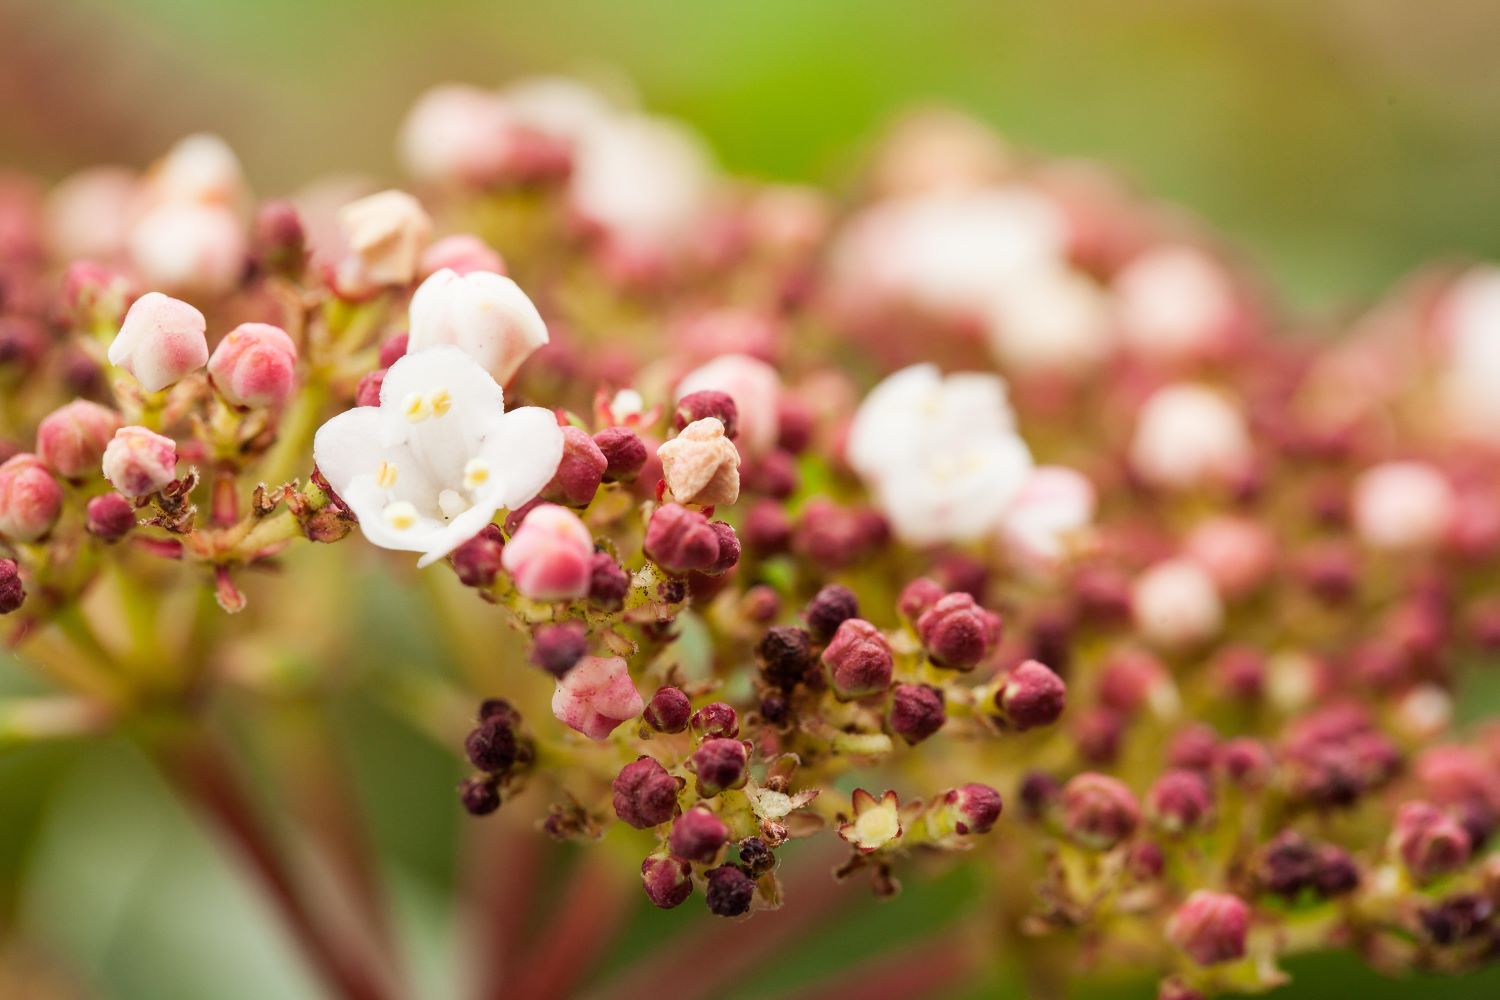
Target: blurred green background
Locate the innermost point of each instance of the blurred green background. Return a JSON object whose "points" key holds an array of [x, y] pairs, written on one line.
{"points": [[1341, 142]]}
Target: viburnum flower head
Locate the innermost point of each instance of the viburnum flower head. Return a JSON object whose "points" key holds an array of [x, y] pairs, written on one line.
{"points": [[596, 696], [1189, 435], [161, 340], [940, 454], [429, 467], [485, 314]]}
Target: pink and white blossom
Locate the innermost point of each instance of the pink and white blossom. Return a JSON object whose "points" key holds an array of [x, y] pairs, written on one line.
{"points": [[484, 314], [597, 696]]}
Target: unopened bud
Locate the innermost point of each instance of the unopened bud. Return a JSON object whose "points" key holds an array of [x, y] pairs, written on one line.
{"points": [[645, 795]]}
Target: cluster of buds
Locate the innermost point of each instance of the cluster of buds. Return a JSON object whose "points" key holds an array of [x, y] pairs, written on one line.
{"points": [[1001, 486]]}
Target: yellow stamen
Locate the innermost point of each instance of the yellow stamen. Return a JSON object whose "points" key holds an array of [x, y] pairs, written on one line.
{"points": [[385, 476], [400, 515], [476, 473]]}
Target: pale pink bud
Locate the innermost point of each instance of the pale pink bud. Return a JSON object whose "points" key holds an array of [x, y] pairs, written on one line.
{"points": [[385, 235], [485, 314], [1237, 552], [88, 214], [161, 340], [1175, 303], [198, 168], [1175, 604], [1188, 435], [1211, 927], [550, 557], [1403, 505], [255, 365], [596, 695], [72, 438], [190, 247], [139, 462], [462, 254], [30, 499], [457, 134], [756, 390], [700, 465]]}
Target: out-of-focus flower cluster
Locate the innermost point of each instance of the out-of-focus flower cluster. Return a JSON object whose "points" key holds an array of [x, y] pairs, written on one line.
{"points": [[987, 481]]}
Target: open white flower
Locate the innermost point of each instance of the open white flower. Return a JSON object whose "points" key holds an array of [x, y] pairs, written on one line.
{"points": [[940, 455], [427, 469], [1051, 512], [485, 314]]}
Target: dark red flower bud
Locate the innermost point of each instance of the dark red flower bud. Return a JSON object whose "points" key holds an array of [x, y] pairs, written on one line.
{"points": [[1430, 842], [681, 541], [1102, 594], [1133, 680], [1099, 811], [1145, 860], [729, 549], [1211, 927], [556, 648], [1246, 762], [794, 425], [859, 660], [697, 835], [977, 808], [767, 528], [1330, 570], [1097, 733], [492, 745], [645, 795], [917, 596], [12, 590], [1458, 918], [498, 709], [775, 708], [1337, 875], [480, 795], [785, 654], [917, 711], [477, 561], [1038, 792], [729, 891], [668, 882], [828, 609], [624, 454], [1194, 748], [1180, 801], [278, 242], [608, 582], [1032, 695], [1240, 672], [773, 474], [957, 632], [720, 764], [707, 403], [715, 720], [832, 536], [668, 710], [110, 517], [579, 473], [756, 857]]}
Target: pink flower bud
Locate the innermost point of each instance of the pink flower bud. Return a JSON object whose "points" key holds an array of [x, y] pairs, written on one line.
{"points": [[462, 254], [1211, 927], [558, 647], [550, 557], [278, 240], [975, 807], [385, 235], [668, 882], [919, 595], [1245, 762], [698, 835], [1032, 695], [1236, 552], [110, 517], [917, 712], [255, 365], [755, 388], [72, 438], [957, 632], [668, 710], [715, 720], [1175, 604], [624, 454], [94, 296], [720, 764], [1179, 801], [1403, 505], [645, 795], [859, 660], [580, 471], [1430, 842], [139, 462], [161, 340], [477, 561], [700, 465], [1133, 680], [696, 406], [12, 590], [596, 696], [681, 540], [1099, 811], [30, 499], [367, 393], [767, 528]]}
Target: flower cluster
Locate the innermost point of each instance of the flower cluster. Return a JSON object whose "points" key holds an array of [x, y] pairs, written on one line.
{"points": [[777, 520]]}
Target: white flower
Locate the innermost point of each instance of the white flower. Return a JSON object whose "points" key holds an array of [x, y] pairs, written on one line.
{"points": [[1054, 507], [1176, 605], [1402, 505], [456, 134], [941, 456], [645, 181], [556, 106], [1052, 321], [429, 467], [200, 168], [1188, 435], [1472, 374], [1173, 303], [189, 246], [485, 314]]}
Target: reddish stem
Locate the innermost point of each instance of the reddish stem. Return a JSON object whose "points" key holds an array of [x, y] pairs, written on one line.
{"points": [[925, 969], [593, 904]]}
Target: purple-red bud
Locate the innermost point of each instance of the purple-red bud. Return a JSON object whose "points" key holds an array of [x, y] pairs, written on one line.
{"points": [[715, 720], [1099, 811], [579, 473], [697, 835], [557, 648], [917, 711], [645, 795], [608, 582], [110, 517], [785, 654], [668, 711], [624, 454], [957, 632], [681, 541], [477, 561], [830, 608], [1031, 696], [480, 795], [1212, 927], [696, 406], [720, 764], [12, 590], [1179, 802], [859, 660], [729, 892], [668, 882]]}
